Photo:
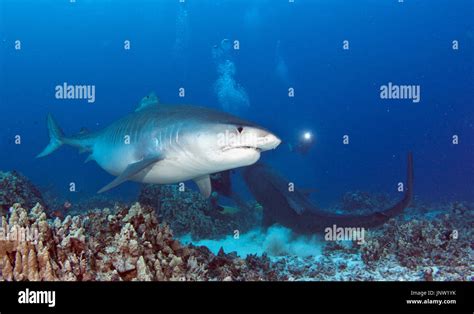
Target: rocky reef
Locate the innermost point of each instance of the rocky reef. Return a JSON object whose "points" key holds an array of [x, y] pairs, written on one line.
{"points": [[442, 246], [111, 245], [16, 188], [187, 212], [57, 205], [406, 248], [105, 240]]}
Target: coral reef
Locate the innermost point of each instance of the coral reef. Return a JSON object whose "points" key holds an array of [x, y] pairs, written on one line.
{"points": [[16, 188], [188, 213], [111, 244], [57, 205], [409, 248], [444, 242], [136, 243]]}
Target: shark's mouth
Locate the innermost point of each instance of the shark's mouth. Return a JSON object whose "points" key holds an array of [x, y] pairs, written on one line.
{"points": [[227, 148]]}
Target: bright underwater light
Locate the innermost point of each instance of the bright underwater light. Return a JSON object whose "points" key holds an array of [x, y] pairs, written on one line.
{"points": [[307, 136]]}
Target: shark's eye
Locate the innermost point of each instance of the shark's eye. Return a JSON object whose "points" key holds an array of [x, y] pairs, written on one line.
{"points": [[240, 129]]}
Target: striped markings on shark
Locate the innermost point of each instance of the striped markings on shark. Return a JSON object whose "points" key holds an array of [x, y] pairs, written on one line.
{"points": [[167, 144]]}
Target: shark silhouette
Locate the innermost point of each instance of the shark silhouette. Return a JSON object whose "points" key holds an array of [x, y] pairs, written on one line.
{"points": [[295, 210]]}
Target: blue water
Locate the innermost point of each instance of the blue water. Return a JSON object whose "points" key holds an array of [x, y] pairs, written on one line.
{"points": [[282, 45]]}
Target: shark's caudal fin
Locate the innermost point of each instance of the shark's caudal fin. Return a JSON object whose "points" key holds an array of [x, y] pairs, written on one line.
{"points": [[56, 136]]}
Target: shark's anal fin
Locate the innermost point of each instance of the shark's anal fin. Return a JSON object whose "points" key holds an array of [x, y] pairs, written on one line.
{"points": [[204, 185], [130, 171]]}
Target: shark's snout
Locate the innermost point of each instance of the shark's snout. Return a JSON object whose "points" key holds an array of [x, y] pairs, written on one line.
{"points": [[268, 141], [253, 138]]}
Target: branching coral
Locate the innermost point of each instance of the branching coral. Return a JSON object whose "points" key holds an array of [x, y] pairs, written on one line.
{"points": [[119, 244]]}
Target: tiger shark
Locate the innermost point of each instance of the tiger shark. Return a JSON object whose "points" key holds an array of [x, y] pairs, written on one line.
{"points": [[167, 144]]}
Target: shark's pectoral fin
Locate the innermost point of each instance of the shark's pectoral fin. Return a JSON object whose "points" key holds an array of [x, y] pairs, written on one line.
{"points": [[130, 171], [204, 185]]}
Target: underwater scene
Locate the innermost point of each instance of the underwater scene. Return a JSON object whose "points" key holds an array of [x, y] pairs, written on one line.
{"points": [[236, 140]]}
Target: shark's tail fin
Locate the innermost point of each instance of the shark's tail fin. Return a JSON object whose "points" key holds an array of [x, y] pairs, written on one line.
{"points": [[56, 136]]}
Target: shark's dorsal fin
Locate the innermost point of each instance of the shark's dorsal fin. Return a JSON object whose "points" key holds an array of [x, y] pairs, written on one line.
{"points": [[131, 171], [147, 101], [204, 185]]}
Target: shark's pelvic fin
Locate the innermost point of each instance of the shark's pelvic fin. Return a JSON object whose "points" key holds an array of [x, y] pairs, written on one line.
{"points": [[56, 136], [204, 185], [130, 171], [147, 101]]}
